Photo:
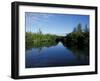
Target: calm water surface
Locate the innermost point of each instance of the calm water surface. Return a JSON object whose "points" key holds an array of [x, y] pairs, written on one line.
{"points": [[53, 56]]}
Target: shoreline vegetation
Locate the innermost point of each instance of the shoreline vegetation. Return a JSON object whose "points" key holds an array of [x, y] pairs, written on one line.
{"points": [[78, 38], [39, 40]]}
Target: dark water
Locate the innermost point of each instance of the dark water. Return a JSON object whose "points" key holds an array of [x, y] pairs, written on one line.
{"points": [[57, 55]]}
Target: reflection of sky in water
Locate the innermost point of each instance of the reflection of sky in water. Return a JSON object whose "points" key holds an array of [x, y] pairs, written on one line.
{"points": [[53, 56]]}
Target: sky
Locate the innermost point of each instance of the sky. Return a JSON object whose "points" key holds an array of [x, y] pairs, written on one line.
{"points": [[59, 24]]}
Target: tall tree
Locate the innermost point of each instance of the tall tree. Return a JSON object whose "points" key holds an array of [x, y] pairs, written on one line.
{"points": [[40, 32], [79, 28], [74, 30], [86, 28]]}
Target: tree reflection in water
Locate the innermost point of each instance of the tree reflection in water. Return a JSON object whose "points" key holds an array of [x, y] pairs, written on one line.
{"points": [[80, 52]]}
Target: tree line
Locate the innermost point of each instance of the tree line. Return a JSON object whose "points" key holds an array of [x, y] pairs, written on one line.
{"points": [[39, 39], [78, 37]]}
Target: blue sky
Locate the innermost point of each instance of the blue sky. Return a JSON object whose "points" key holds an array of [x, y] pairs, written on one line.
{"points": [[58, 24]]}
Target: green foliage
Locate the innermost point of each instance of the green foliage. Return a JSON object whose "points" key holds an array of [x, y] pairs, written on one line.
{"points": [[39, 40], [78, 37]]}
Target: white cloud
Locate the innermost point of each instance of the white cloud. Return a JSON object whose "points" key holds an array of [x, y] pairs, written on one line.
{"points": [[36, 17]]}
